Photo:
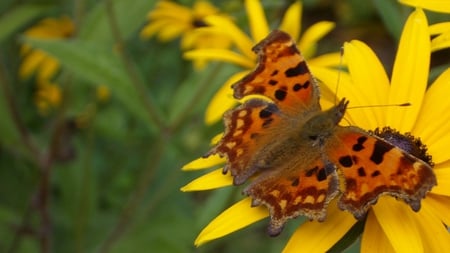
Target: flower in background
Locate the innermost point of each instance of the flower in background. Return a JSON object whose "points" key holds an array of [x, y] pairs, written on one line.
{"points": [[47, 96], [169, 21], [37, 61], [439, 31], [391, 225], [43, 66], [245, 58], [432, 5]]}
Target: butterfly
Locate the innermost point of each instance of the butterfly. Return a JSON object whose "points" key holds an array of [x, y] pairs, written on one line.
{"points": [[298, 156]]}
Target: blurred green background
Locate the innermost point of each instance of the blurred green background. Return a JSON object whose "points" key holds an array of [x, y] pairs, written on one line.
{"points": [[102, 173]]}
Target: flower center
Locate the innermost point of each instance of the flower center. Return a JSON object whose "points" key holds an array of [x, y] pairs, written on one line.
{"points": [[407, 142]]}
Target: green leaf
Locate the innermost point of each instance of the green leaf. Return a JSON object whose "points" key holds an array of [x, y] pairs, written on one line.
{"points": [[14, 19], [130, 16], [98, 66], [9, 134], [391, 16]]}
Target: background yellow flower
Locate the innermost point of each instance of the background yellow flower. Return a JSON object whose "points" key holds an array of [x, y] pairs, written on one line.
{"points": [[246, 59], [169, 20]]}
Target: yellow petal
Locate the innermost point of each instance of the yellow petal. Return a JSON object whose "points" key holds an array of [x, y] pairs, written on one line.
{"points": [[370, 85], [242, 41], [152, 28], [439, 28], [328, 79], [259, 28], [433, 125], [320, 236], [435, 236], [212, 180], [234, 218], [292, 20], [373, 238], [438, 149], [327, 60], [216, 138], [440, 205], [204, 163], [314, 33], [440, 42], [169, 8], [48, 68], [31, 62], [220, 55], [397, 222], [223, 100], [170, 32], [433, 5], [410, 73], [443, 182]]}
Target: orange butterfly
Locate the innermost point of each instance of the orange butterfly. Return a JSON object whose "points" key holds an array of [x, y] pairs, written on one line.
{"points": [[298, 154]]}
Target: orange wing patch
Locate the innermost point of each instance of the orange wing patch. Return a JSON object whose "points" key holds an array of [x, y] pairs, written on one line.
{"points": [[281, 75], [306, 190], [373, 167], [245, 129]]}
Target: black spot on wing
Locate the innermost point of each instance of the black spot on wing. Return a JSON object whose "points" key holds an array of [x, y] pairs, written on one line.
{"points": [[295, 182], [375, 173], [321, 174], [273, 82], [379, 150], [280, 94], [299, 86], [359, 145], [346, 161], [267, 122], [311, 172], [300, 69], [362, 172], [265, 113]]}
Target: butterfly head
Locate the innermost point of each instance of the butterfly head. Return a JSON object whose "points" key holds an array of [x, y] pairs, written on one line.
{"points": [[322, 125]]}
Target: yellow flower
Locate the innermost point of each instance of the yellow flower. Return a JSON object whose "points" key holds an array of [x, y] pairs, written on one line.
{"points": [[48, 94], [170, 20], [432, 5], [439, 31], [103, 93], [391, 225], [37, 61], [47, 97], [291, 23]]}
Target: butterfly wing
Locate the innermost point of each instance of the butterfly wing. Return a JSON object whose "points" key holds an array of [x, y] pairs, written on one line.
{"points": [[298, 189], [281, 75], [371, 167], [250, 130]]}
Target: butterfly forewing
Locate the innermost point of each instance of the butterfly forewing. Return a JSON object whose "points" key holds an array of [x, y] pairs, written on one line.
{"points": [[281, 75]]}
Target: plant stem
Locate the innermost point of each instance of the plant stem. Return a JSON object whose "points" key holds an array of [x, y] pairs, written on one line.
{"points": [[130, 69], [136, 197]]}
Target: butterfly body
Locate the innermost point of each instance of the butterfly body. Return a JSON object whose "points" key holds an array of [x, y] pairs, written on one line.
{"points": [[298, 156]]}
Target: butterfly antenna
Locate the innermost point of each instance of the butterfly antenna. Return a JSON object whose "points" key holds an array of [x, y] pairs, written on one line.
{"points": [[389, 105]]}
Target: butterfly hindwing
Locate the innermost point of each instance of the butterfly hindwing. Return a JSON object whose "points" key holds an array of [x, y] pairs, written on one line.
{"points": [[371, 167], [299, 189]]}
